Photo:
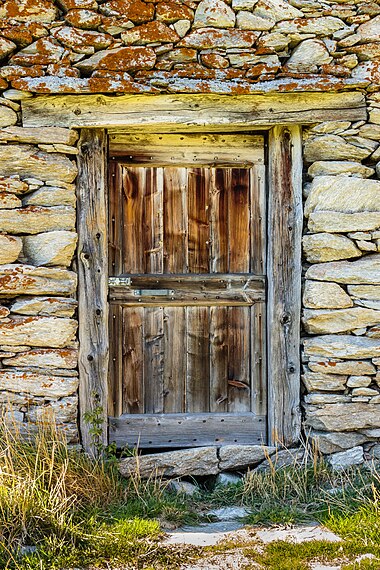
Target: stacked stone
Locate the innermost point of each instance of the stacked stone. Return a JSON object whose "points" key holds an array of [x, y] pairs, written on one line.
{"points": [[216, 46], [342, 285], [38, 351]]}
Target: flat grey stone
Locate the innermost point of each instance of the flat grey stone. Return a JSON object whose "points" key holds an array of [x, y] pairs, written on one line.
{"points": [[228, 513], [203, 535], [297, 534]]}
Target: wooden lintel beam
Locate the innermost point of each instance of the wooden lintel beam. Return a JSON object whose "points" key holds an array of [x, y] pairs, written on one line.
{"points": [[176, 113]]}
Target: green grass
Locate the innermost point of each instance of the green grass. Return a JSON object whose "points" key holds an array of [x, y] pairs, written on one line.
{"points": [[80, 513]]}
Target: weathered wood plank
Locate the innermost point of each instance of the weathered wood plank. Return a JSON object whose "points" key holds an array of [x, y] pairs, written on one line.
{"points": [[219, 189], [115, 376], [190, 149], [174, 362], [115, 220], [133, 360], [153, 353], [218, 359], [187, 430], [239, 241], [198, 220], [258, 359], [198, 359], [152, 227], [170, 113], [133, 213], [175, 214], [258, 221], [284, 282], [239, 369], [92, 284]]}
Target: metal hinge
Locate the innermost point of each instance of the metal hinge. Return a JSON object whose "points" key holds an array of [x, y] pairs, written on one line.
{"points": [[153, 292], [119, 281]]}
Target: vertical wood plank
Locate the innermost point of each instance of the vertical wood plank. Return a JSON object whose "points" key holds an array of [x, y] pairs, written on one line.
{"points": [[284, 282], [239, 372], [219, 189], [258, 360], [198, 360], [115, 376], [175, 359], [133, 360], [238, 224], [218, 359], [175, 220], [133, 201], [199, 232], [153, 221], [114, 220], [153, 360], [258, 226], [92, 257]]}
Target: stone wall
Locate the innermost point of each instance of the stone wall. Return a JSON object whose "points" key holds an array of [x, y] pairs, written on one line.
{"points": [[193, 46]]}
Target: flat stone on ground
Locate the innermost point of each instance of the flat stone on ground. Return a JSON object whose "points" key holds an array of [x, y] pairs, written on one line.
{"points": [[242, 456], [297, 534]]}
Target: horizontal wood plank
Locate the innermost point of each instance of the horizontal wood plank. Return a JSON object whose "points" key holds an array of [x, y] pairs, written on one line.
{"points": [[187, 430], [170, 113], [192, 289]]}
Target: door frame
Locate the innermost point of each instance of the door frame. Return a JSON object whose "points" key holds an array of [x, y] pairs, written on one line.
{"points": [[284, 234]]}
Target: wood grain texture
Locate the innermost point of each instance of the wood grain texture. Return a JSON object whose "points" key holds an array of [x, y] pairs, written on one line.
{"points": [[191, 113], [92, 282], [187, 430], [285, 220], [133, 360]]}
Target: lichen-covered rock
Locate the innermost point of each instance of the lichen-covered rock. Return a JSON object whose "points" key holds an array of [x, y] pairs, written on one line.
{"points": [[150, 33], [29, 280], [9, 201], [36, 219], [13, 185], [37, 384], [340, 167], [39, 135], [85, 19], [322, 221], [318, 321], [51, 196], [363, 271], [248, 21], [342, 346], [328, 247], [64, 411], [233, 457], [7, 116], [206, 38], [45, 358], [135, 10], [46, 306], [214, 13], [324, 382], [50, 248], [343, 417], [370, 30], [276, 10], [6, 48], [323, 26], [119, 59], [346, 459], [371, 292], [29, 10], [194, 462], [42, 52], [336, 442], [333, 146], [10, 248], [324, 295], [307, 56], [38, 331], [346, 367], [30, 162], [171, 12], [81, 40], [82, 85]]}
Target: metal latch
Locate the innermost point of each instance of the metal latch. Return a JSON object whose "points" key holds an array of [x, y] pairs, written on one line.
{"points": [[153, 292], [119, 281]]}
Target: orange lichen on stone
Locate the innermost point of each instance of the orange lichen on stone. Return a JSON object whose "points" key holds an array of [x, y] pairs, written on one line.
{"points": [[135, 10], [86, 19], [128, 58], [213, 60], [29, 10], [171, 12], [150, 33], [81, 39], [3, 84], [41, 52], [207, 38]]}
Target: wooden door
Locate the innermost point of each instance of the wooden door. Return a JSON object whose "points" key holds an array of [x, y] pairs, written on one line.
{"points": [[187, 292]]}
